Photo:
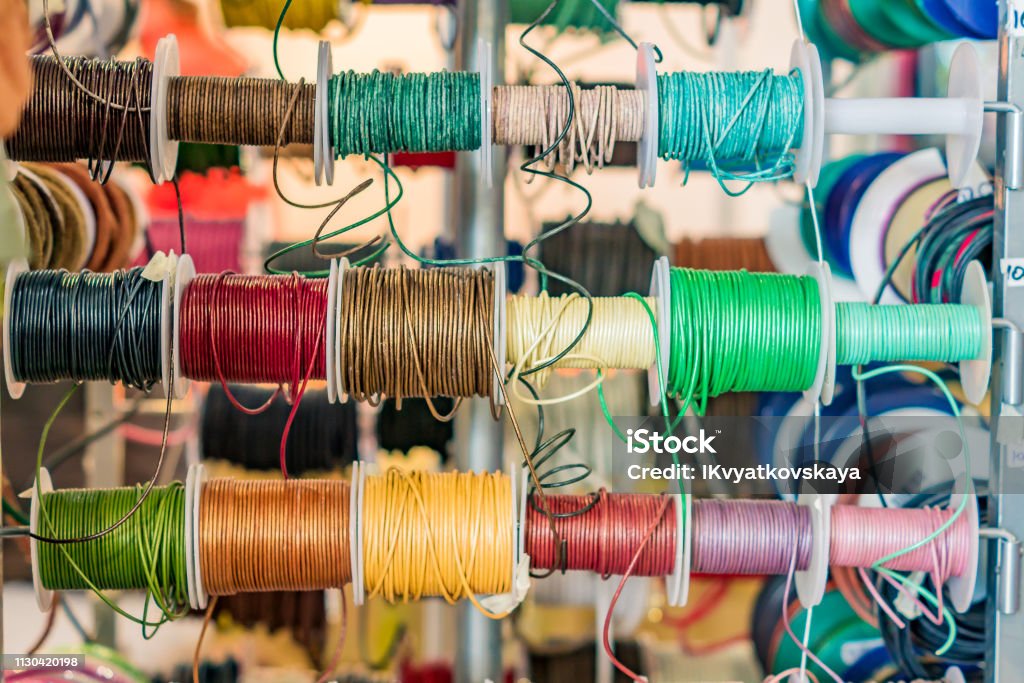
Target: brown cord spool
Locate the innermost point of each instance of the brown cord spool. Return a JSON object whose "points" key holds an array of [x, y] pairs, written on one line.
{"points": [[416, 333], [238, 111], [62, 123], [724, 253], [258, 536]]}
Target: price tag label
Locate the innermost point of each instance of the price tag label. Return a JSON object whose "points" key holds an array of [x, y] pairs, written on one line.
{"points": [[1013, 271], [1015, 18]]}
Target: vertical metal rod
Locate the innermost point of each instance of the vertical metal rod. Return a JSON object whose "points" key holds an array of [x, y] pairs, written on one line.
{"points": [[1004, 656], [478, 212]]}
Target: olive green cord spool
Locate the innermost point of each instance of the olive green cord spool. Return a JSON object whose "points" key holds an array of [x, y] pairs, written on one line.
{"points": [[380, 113], [741, 125], [740, 331], [919, 332], [147, 552]]}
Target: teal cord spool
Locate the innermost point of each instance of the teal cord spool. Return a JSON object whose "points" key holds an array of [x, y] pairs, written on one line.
{"points": [[381, 113], [741, 331], [919, 332], [741, 125]]}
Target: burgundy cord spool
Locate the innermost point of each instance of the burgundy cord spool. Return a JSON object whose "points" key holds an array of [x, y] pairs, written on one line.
{"points": [[253, 328], [604, 538], [749, 536]]}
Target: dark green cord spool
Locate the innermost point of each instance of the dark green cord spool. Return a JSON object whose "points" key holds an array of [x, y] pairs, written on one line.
{"points": [[381, 113], [86, 326], [147, 552]]}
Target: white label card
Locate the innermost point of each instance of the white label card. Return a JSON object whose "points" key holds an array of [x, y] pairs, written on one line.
{"points": [[1013, 271]]}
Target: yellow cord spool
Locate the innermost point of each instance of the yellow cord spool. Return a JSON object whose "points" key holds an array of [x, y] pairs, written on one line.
{"points": [[445, 534]]}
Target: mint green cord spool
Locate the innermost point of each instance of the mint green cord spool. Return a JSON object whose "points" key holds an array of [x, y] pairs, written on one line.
{"points": [[147, 552], [741, 125], [917, 332], [381, 113], [741, 331]]}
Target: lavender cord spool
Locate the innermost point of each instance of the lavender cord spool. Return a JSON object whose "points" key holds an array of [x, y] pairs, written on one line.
{"points": [[749, 537]]}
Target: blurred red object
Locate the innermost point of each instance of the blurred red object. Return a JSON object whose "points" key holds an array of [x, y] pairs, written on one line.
{"points": [[220, 193], [202, 53]]}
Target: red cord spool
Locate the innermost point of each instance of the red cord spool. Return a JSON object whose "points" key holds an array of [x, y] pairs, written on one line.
{"points": [[604, 538], [253, 329]]}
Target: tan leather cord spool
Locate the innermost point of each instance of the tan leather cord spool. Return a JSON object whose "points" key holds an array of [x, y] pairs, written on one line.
{"points": [[257, 536]]}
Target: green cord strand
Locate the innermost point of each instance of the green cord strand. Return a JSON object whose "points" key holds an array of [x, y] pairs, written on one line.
{"points": [[741, 331], [919, 332], [380, 112], [732, 122], [146, 552]]}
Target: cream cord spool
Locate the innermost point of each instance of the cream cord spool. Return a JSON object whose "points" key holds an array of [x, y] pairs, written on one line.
{"points": [[437, 534], [534, 115], [257, 536], [619, 336]]}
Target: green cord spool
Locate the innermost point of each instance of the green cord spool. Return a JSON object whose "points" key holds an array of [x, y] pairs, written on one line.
{"points": [[575, 14], [741, 331], [920, 332], [731, 120], [146, 552], [381, 113]]}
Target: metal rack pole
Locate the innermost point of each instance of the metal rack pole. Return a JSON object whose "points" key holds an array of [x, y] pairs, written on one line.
{"points": [[1005, 656], [479, 219]]}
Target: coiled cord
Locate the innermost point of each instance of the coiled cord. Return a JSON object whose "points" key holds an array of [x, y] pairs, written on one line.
{"points": [[86, 326], [932, 332]]}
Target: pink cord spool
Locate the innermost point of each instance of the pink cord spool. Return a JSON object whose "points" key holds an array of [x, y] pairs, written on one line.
{"points": [[749, 536], [861, 536]]}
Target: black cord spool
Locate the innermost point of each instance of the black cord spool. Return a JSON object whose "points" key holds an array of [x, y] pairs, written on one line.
{"points": [[608, 259], [323, 436], [414, 425], [86, 326]]}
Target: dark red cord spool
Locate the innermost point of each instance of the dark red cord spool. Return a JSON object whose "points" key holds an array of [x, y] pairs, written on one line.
{"points": [[256, 328], [605, 538]]}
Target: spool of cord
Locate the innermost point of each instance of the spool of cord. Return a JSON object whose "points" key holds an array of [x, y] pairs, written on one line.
{"points": [[63, 123], [242, 525], [749, 537], [934, 332], [955, 236], [416, 333], [417, 542], [381, 112], [607, 259], [323, 435], [86, 326], [253, 329], [724, 253], [146, 552]]}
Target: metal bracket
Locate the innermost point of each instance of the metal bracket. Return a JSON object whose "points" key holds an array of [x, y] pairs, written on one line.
{"points": [[1008, 590], [1013, 361], [1014, 166]]}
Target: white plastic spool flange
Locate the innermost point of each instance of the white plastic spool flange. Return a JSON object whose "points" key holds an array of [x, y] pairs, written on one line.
{"points": [[662, 292], [353, 533], [184, 274], [166, 330], [961, 588], [360, 558], [821, 277], [954, 675], [810, 583], [339, 384], [799, 59], [199, 481], [828, 381], [486, 64], [500, 341], [975, 374], [163, 150], [524, 487], [818, 100], [190, 546], [330, 331], [677, 586], [44, 596], [323, 154], [514, 529], [14, 269], [647, 83]]}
